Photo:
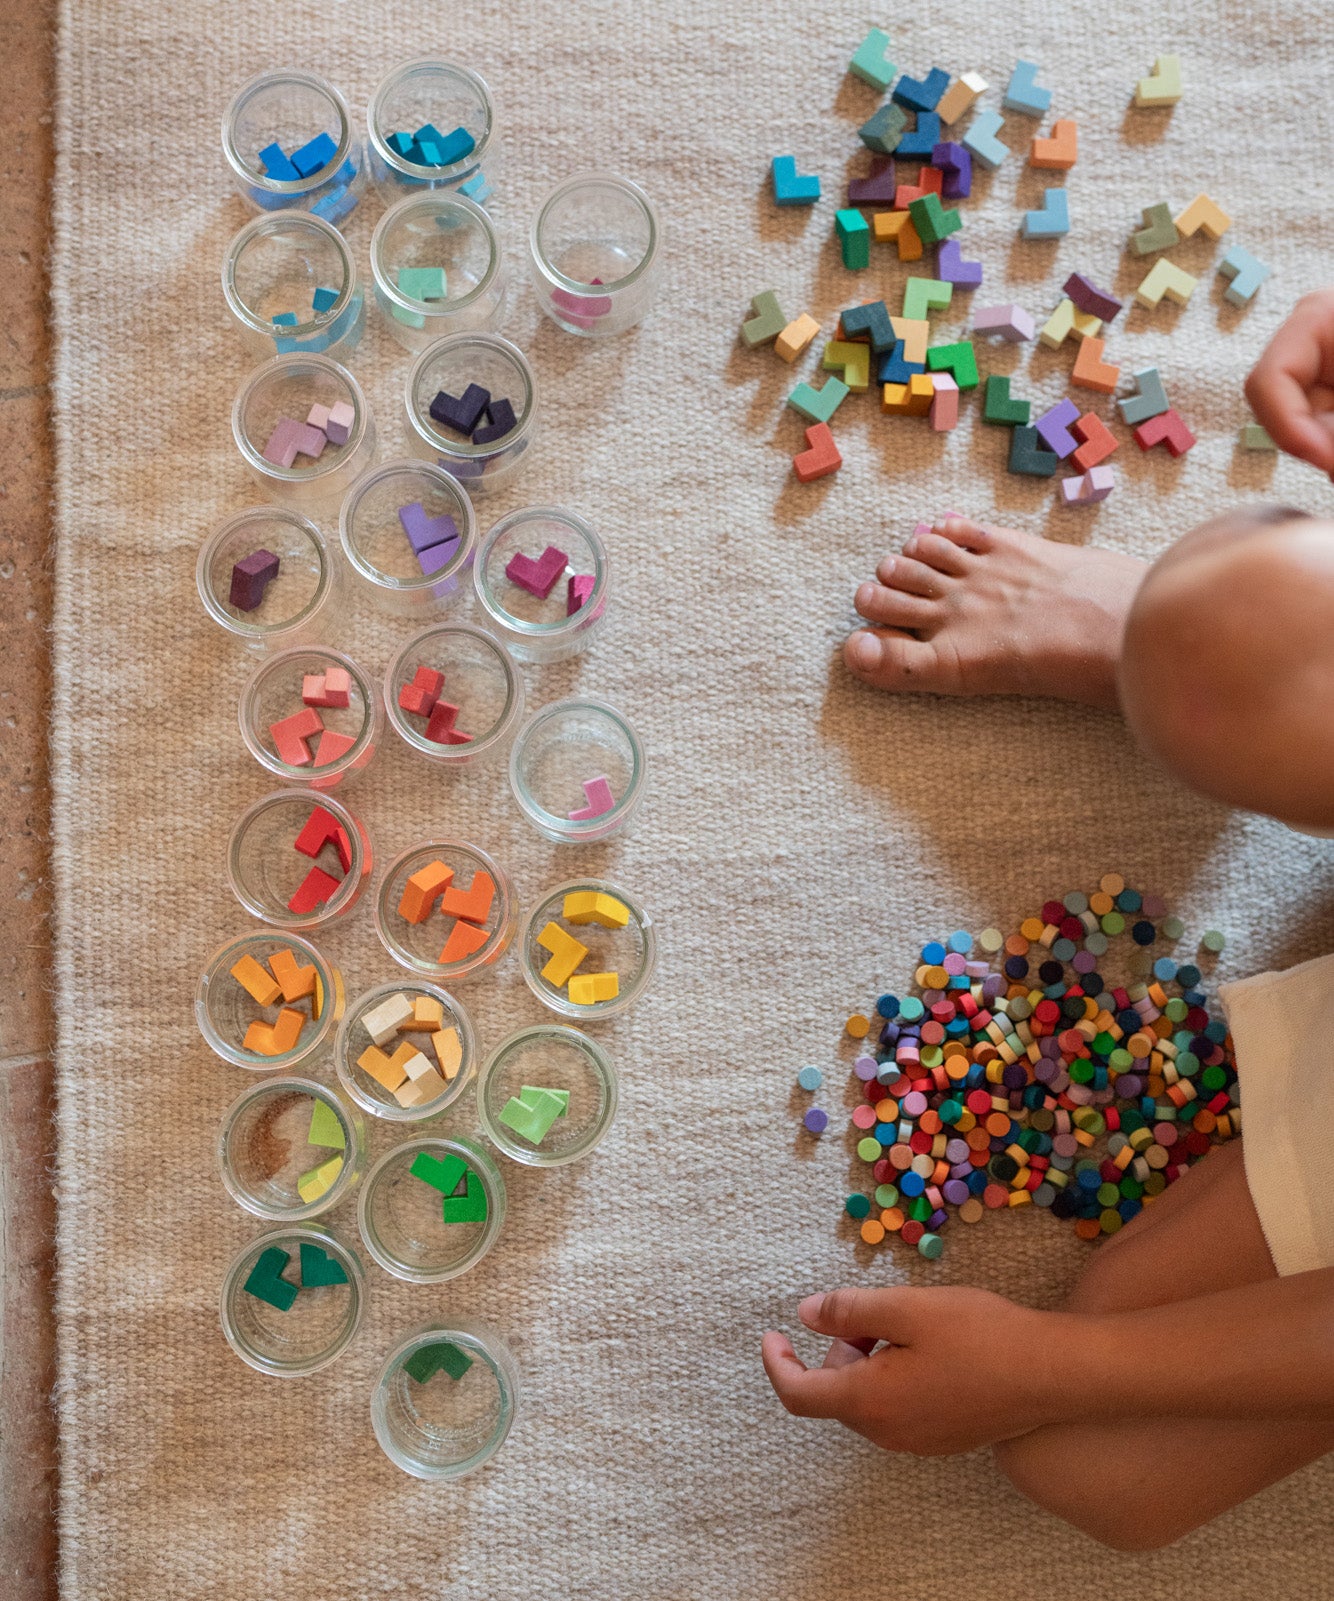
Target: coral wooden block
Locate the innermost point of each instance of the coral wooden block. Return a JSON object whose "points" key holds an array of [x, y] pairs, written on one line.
{"points": [[420, 696], [1059, 152], [821, 456], [322, 828], [1098, 441], [1168, 428], [464, 941], [289, 736], [473, 904], [333, 687], [1090, 371], [440, 725], [944, 413]]}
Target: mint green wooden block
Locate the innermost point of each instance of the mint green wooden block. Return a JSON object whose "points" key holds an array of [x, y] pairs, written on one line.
{"points": [[819, 405], [870, 61], [423, 283], [921, 295]]}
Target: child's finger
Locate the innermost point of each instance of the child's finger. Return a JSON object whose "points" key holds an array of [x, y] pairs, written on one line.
{"points": [[825, 1392], [1282, 385], [857, 1314], [843, 1353]]}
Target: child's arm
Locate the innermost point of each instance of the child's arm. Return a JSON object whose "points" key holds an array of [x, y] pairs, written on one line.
{"points": [[964, 1368], [1291, 387]]}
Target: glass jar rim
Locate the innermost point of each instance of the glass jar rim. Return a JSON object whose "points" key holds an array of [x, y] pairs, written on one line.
{"points": [[490, 602], [464, 448], [295, 1234], [571, 828], [487, 1171], [434, 200], [224, 532], [342, 1048], [514, 691], [387, 84], [296, 187], [606, 180], [287, 1085], [294, 361], [280, 661], [367, 481], [257, 228]]}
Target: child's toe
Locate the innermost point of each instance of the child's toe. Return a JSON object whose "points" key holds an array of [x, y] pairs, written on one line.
{"points": [[895, 607], [888, 659], [945, 555]]}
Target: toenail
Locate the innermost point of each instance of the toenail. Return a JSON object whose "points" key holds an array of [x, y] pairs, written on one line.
{"points": [[910, 544], [866, 650], [865, 595]]}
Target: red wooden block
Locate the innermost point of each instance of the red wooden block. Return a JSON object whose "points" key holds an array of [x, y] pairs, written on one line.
{"points": [[290, 734], [330, 688], [315, 888], [419, 697], [463, 940], [820, 458], [323, 828], [1167, 429], [1099, 441], [332, 745], [441, 728], [1090, 371], [473, 904]]}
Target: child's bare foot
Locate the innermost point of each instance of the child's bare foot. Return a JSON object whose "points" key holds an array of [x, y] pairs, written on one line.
{"points": [[967, 610]]}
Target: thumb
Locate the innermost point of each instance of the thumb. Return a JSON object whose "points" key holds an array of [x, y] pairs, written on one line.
{"points": [[861, 1314]]}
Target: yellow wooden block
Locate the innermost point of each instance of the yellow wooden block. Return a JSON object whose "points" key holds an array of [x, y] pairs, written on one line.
{"points": [[383, 1069], [257, 981], [566, 954], [311, 1186], [1085, 324], [796, 336], [1203, 213], [428, 1014], [921, 392], [590, 988], [894, 399], [1059, 326], [585, 906], [1165, 278], [915, 332], [448, 1049], [317, 1000]]}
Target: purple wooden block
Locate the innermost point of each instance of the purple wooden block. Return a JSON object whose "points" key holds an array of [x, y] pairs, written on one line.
{"points": [[951, 268], [500, 419], [284, 442], [877, 188], [434, 557], [310, 441], [1088, 297], [461, 412], [957, 165], [1053, 428], [251, 576], [1010, 322], [422, 530]]}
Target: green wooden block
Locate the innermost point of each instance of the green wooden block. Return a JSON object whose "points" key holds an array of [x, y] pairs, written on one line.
{"points": [[883, 131], [440, 1172], [853, 360], [818, 404], [522, 1118], [854, 239], [444, 1357], [530, 1092], [871, 61], [921, 295], [999, 406], [467, 1208], [766, 320], [1255, 437], [1159, 231], [266, 1281], [957, 359], [422, 283], [932, 221], [319, 1268], [325, 1127], [1029, 456]]}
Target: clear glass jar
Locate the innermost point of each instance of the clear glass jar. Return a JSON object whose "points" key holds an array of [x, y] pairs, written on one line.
{"points": [[537, 628], [594, 252], [419, 947], [549, 1056], [290, 108], [562, 750], [630, 952], [353, 1039], [321, 1321], [448, 96], [266, 1157], [480, 678], [267, 872], [441, 230], [225, 1010], [449, 366], [275, 267], [273, 693], [403, 1217], [445, 1427], [296, 605], [284, 390], [376, 542]]}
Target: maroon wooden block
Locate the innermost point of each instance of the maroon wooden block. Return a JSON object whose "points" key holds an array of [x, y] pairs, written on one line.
{"points": [[877, 188], [251, 576], [1088, 297]]}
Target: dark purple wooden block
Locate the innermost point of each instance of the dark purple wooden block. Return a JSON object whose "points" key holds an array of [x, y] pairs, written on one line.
{"points": [[500, 419], [251, 576], [877, 188], [1088, 297], [422, 530], [957, 165], [461, 412]]}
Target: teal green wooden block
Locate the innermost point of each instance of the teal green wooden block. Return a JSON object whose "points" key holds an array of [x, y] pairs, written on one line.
{"points": [[921, 295], [871, 63], [957, 359], [999, 406], [854, 238], [766, 320], [266, 1281], [319, 1268], [325, 1128], [443, 1357], [818, 404], [932, 221], [422, 283]]}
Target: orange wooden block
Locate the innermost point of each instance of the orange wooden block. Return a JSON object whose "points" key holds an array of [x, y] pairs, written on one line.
{"points": [[259, 1039], [1090, 371], [287, 1029], [256, 982], [898, 226], [296, 981], [1060, 151], [473, 904], [423, 890], [463, 940], [381, 1068], [1099, 441], [428, 1015], [448, 1049], [403, 1053]]}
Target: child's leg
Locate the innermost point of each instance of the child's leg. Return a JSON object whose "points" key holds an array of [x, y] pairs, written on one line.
{"points": [[1140, 1485]]}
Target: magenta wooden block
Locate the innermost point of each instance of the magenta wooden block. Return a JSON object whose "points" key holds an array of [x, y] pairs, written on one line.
{"points": [[1088, 297], [537, 575], [1010, 322], [877, 188], [339, 425], [581, 305], [423, 530], [578, 592], [597, 792], [283, 442], [251, 576], [1053, 427]]}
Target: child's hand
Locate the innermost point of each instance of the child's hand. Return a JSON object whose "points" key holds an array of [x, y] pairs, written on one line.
{"points": [[961, 1368], [1291, 387]]}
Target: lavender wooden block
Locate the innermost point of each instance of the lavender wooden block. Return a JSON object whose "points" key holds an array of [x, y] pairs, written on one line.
{"points": [[877, 188], [339, 426], [957, 166], [1088, 297], [1053, 428], [251, 576], [462, 412], [951, 268], [423, 530], [284, 442], [434, 557], [500, 419], [1010, 322]]}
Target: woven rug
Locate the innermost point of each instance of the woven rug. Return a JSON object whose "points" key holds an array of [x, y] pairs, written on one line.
{"points": [[801, 838]]}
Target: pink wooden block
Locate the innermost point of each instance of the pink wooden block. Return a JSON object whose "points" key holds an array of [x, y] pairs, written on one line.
{"points": [[339, 425], [318, 417], [289, 736], [1010, 322], [537, 575], [310, 441], [944, 403], [597, 792], [578, 591], [1088, 488], [284, 443], [330, 688]]}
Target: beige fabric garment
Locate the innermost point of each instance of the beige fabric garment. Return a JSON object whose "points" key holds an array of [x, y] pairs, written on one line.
{"points": [[802, 836]]}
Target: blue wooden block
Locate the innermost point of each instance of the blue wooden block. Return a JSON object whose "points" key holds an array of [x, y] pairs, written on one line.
{"points": [[334, 206], [401, 144], [923, 139], [957, 167], [1246, 273], [1023, 93], [791, 188], [873, 322], [1053, 428], [324, 299], [477, 188], [893, 369], [1052, 221], [981, 142], [871, 62], [311, 157], [924, 95], [285, 319], [276, 165], [457, 145], [1151, 401], [1028, 457], [883, 131]]}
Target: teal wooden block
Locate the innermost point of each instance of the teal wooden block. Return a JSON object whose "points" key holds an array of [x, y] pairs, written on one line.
{"points": [[819, 405], [883, 131], [440, 1172], [1023, 93], [469, 1207], [871, 63], [1246, 274], [767, 320], [870, 322], [981, 142], [423, 283], [854, 239], [921, 295], [443, 1357], [318, 1268], [932, 222], [1151, 401], [1052, 221], [957, 359], [1029, 457], [1159, 231], [266, 1282], [792, 188], [1000, 406]]}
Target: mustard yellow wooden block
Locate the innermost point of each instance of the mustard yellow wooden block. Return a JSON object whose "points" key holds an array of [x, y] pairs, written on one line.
{"points": [[921, 392], [448, 1048], [319, 1181], [1059, 326], [894, 399], [428, 1014], [590, 988], [1203, 213], [257, 981], [418, 1091], [899, 227], [381, 1068], [915, 332], [1085, 324], [566, 954], [317, 1000], [587, 907], [796, 336]]}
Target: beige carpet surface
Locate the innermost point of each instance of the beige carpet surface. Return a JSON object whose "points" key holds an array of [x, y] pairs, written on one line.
{"points": [[801, 839]]}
